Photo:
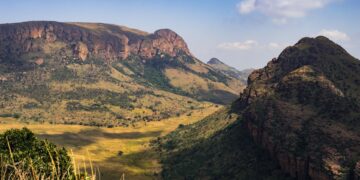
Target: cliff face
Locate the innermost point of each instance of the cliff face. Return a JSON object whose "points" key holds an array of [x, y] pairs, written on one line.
{"points": [[162, 41], [85, 40], [303, 108]]}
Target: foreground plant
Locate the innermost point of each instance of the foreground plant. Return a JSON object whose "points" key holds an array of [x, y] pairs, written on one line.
{"points": [[24, 156]]}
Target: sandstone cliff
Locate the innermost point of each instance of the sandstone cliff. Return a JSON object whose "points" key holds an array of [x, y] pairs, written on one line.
{"points": [[85, 40]]}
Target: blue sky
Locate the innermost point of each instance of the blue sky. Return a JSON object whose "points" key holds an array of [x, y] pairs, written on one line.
{"points": [[242, 33]]}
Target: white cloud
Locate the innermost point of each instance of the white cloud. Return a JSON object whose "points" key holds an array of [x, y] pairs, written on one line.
{"points": [[335, 35], [281, 10], [276, 46], [273, 45], [246, 6], [246, 45]]}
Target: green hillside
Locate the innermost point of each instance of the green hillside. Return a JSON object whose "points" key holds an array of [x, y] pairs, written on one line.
{"points": [[102, 75], [299, 114]]}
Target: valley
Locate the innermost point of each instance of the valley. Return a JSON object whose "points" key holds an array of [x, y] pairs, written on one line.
{"points": [[114, 151], [88, 101]]}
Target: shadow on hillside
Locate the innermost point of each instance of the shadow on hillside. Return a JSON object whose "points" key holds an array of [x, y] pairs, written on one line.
{"points": [[89, 136], [113, 167]]}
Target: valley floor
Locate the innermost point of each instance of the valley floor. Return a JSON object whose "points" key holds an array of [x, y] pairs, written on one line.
{"points": [[114, 151]]}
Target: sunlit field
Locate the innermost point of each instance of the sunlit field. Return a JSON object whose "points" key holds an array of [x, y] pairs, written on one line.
{"points": [[114, 152]]}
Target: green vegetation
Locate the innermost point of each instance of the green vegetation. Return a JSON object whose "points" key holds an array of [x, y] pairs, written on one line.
{"points": [[15, 115], [76, 106], [24, 156], [302, 111], [229, 71], [40, 92], [234, 155], [65, 89], [100, 147], [151, 72], [31, 105], [63, 74]]}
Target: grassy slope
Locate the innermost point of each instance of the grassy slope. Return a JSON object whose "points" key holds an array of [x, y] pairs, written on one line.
{"points": [[231, 71], [102, 145], [126, 91], [52, 84], [215, 148], [92, 94]]}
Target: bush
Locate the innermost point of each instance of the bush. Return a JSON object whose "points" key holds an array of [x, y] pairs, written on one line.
{"points": [[30, 105], [63, 74], [76, 106], [24, 155], [181, 126], [15, 115]]}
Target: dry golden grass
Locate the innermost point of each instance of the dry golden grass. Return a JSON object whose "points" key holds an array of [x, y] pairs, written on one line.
{"points": [[198, 67], [185, 80], [190, 82], [103, 145]]}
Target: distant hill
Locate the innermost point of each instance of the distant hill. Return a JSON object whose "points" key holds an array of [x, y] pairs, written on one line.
{"points": [[230, 71], [299, 118], [102, 74]]}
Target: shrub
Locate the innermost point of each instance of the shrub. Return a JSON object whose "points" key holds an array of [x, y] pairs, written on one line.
{"points": [[23, 156], [76, 106], [15, 115], [31, 105], [63, 74], [181, 126]]}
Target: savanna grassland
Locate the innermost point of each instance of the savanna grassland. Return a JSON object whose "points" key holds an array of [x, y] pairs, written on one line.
{"points": [[114, 151], [103, 92]]}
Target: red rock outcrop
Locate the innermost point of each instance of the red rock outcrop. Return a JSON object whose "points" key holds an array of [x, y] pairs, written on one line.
{"points": [[162, 41], [106, 42], [287, 105]]}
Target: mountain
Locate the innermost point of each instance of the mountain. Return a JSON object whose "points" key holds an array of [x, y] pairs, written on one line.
{"points": [[299, 118], [102, 74], [230, 71]]}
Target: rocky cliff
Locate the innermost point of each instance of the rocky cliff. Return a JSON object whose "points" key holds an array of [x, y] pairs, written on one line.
{"points": [[85, 40], [303, 108]]}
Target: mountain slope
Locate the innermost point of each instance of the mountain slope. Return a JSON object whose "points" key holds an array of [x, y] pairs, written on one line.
{"points": [[230, 71], [102, 74], [217, 147], [302, 110]]}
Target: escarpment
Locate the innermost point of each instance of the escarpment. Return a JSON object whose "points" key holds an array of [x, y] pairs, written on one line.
{"points": [[303, 108], [85, 40]]}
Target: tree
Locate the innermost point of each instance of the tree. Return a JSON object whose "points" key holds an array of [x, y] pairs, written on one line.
{"points": [[23, 155]]}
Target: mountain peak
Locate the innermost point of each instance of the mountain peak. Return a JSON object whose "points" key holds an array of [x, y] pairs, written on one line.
{"points": [[165, 33], [321, 44], [311, 86], [171, 41], [214, 61], [228, 70], [322, 38]]}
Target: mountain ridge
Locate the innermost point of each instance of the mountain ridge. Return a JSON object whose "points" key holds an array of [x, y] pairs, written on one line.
{"points": [[99, 40], [302, 109], [103, 74]]}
